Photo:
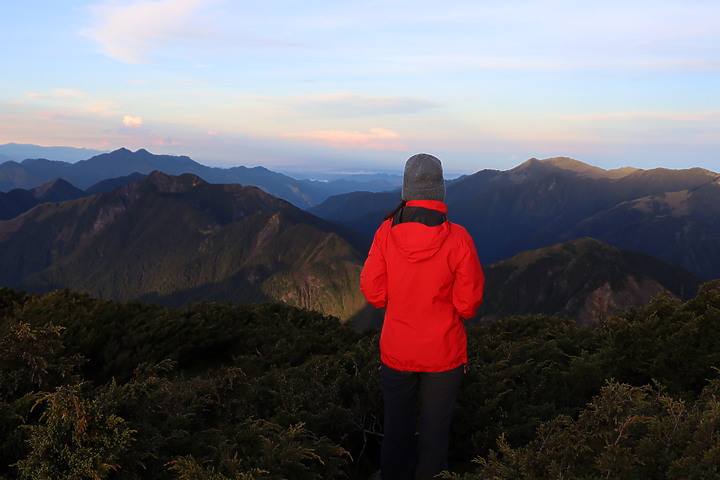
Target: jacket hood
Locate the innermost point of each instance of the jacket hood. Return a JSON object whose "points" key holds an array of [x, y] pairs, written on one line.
{"points": [[416, 241]]}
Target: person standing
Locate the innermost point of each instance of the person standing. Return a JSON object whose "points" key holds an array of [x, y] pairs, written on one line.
{"points": [[424, 270]]}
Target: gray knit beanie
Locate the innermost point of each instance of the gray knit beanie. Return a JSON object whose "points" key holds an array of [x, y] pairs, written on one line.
{"points": [[423, 178]]}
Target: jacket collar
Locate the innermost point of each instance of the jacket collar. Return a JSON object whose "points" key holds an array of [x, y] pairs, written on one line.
{"points": [[431, 204]]}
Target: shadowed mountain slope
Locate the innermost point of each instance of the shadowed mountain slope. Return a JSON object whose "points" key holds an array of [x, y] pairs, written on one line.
{"points": [[583, 279], [178, 240]]}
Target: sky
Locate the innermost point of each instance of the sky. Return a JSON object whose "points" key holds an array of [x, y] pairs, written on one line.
{"points": [[303, 86]]}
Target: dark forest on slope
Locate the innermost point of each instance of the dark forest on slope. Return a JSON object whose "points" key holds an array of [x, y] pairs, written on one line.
{"points": [[104, 389]]}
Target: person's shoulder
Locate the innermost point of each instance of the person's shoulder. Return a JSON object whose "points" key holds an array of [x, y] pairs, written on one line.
{"points": [[461, 235], [384, 228]]}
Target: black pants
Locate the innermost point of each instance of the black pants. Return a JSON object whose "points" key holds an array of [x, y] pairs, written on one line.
{"points": [[403, 453]]}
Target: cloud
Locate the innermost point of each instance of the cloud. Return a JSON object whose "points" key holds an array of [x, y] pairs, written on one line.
{"points": [[58, 93], [129, 121], [130, 33], [66, 102], [336, 105], [374, 139], [349, 104]]}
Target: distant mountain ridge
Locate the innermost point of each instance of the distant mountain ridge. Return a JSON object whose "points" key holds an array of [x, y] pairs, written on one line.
{"points": [[582, 169], [30, 173], [20, 151]]}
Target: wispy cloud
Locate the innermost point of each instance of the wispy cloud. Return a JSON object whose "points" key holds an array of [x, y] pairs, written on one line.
{"points": [[339, 105], [130, 33], [373, 139], [58, 93], [349, 104], [65, 102]]}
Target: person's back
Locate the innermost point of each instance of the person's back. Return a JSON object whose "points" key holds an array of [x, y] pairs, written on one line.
{"points": [[425, 300], [425, 271]]}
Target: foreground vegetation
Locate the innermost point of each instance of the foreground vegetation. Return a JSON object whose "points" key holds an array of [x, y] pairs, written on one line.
{"points": [[98, 389]]}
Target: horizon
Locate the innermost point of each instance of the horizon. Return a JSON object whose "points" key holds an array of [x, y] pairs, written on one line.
{"points": [[74, 155], [364, 86]]}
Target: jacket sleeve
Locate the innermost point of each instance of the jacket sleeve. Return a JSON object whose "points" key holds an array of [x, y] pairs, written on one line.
{"points": [[469, 282], [373, 278]]}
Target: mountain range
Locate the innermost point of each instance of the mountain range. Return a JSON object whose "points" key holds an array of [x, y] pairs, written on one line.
{"points": [[673, 215], [20, 151], [555, 236], [31, 172]]}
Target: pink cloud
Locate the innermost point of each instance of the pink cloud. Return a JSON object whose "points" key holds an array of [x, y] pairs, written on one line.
{"points": [[57, 93], [374, 139]]}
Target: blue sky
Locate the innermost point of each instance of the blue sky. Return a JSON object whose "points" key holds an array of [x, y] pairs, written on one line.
{"points": [[348, 85]]}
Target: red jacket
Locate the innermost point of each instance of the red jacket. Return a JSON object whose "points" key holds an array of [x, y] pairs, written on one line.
{"points": [[430, 279]]}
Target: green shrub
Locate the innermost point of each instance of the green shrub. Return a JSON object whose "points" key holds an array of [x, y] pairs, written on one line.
{"points": [[78, 437]]}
